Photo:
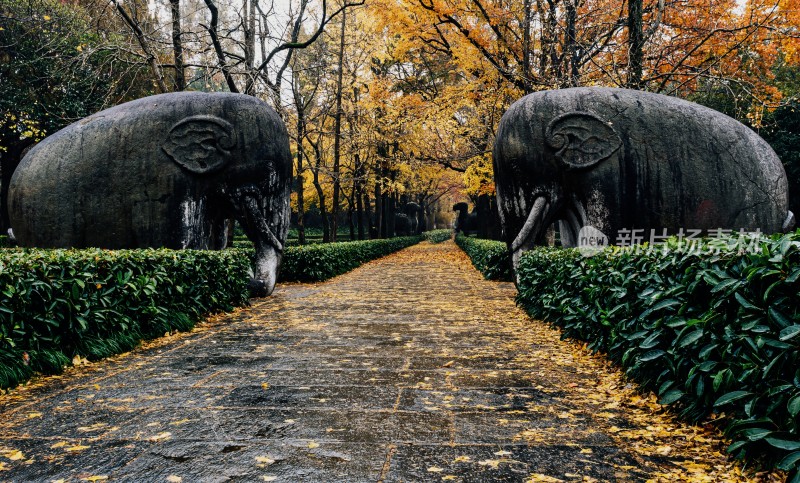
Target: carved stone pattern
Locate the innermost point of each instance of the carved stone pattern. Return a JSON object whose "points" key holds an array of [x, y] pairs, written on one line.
{"points": [[201, 144], [581, 139]]}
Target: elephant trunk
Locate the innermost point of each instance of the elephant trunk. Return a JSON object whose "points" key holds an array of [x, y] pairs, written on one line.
{"points": [[265, 272], [531, 231], [269, 249]]}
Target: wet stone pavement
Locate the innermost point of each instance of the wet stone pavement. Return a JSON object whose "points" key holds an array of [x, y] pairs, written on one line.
{"points": [[410, 368]]}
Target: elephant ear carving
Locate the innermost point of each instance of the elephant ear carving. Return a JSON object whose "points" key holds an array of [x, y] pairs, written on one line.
{"points": [[581, 139], [201, 144]]}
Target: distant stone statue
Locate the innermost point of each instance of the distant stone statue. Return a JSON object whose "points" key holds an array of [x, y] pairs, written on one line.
{"points": [[163, 171], [623, 161], [466, 222]]}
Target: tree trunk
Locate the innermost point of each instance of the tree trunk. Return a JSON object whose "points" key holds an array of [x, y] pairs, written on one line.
{"points": [[351, 221], [301, 209], [368, 212], [177, 45], [635, 44], [390, 213], [571, 43], [249, 27], [380, 226], [360, 210], [337, 129], [326, 231], [526, 46]]}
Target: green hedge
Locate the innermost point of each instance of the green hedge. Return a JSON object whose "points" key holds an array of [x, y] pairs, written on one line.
{"points": [[708, 332], [437, 236], [490, 257], [313, 263], [55, 304]]}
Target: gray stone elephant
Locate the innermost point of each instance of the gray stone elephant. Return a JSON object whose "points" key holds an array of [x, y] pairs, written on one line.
{"points": [[465, 222], [416, 215], [163, 171], [617, 159]]}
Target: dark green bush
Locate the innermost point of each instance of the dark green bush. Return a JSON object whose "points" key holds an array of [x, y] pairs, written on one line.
{"points": [[438, 236], [4, 242], [709, 331], [490, 257], [55, 304], [312, 263]]}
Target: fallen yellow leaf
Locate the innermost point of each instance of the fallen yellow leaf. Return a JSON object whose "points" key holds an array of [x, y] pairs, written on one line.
{"points": [[174, 479], [160, 436], [664, 450], [435, 469], [265, 460], [313, 444], [540, 478], [461, 459], [14, 455], [77, 447]]}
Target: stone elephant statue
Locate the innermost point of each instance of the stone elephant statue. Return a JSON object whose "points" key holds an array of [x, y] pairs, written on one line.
{"points": [[617, 159], [163, 171], [466, 222], [416, 215], [402, 225]]}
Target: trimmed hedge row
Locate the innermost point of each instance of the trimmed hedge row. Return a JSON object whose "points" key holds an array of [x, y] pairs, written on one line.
{"points": [[438, 236], [490, 257], [55, 304], [708, 330], [317, 262]]}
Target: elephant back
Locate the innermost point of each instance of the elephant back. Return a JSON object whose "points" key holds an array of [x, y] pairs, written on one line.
{"points": [[135, 175], [649, 160]]}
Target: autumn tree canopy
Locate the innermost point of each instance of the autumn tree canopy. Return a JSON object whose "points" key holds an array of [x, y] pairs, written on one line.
{"points": [[393, 101]]}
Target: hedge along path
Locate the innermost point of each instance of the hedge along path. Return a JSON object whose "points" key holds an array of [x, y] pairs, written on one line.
{"points": [[410, 368]]}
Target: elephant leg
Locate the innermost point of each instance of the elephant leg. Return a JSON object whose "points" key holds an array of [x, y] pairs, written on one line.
{"points": [[568, 237], [573, 225]]}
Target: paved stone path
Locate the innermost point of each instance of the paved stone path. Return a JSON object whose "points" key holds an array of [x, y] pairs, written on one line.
{"points": [[411, 368]]}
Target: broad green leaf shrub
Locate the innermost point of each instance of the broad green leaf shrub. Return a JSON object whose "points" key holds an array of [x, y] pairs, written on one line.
{"points": [[55, 304], [708, 332], [317, 262], [438, 236], [490, 257]]}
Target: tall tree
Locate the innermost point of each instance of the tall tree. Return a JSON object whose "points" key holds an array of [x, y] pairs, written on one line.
{"points": [[635, 44], [55, 69], [177, 44], [337, 131]]}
